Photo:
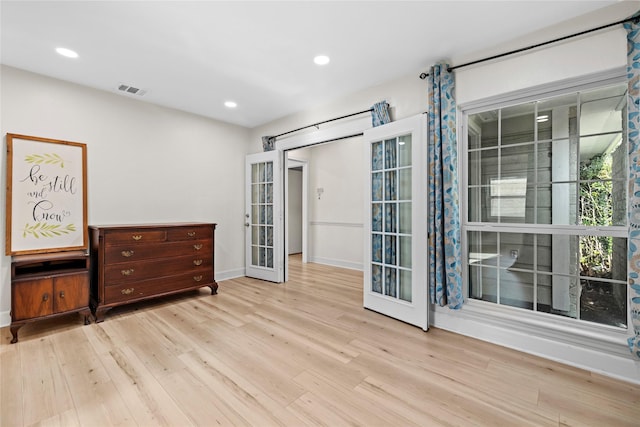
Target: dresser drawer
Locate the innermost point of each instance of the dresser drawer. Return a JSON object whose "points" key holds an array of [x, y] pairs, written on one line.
{"points": [[134, 236], [133, 271], [131, 291], [133, 252], [189, 233]]}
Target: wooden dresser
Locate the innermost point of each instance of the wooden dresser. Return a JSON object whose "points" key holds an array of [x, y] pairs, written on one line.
{"points": [[48, 285], [136, 262]]}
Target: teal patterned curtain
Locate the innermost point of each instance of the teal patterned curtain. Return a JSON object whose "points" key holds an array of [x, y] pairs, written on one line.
{"points": [[380, 114], [268, 143], [633, 127], [445, 258]]}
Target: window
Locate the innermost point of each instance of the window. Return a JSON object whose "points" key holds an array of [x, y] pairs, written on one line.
{"points": [[546, 225]]}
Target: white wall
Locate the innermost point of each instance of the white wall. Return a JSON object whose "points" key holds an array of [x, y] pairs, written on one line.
{"points": [[146, 163]]}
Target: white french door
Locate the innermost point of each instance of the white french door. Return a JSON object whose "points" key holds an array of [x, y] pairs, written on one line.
{"points": [[395, 261], [264, 251]]}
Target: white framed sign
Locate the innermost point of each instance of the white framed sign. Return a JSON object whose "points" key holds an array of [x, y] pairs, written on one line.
{"points": [[46, 195]]}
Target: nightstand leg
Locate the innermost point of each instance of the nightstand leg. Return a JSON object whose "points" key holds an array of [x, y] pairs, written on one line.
{"points": [[14, 332]]}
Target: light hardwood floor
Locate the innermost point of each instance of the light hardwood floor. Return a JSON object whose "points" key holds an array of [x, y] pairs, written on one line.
{"points": [[294, 354]]}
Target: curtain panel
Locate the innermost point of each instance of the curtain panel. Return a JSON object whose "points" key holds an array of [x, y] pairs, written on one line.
{"points": [[445, 258], [380, 114], [633, 133]]}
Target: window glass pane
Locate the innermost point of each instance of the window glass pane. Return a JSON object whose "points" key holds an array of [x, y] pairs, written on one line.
{"points": [[268, 172], [543, 291], [404, 150], [376, 216], [269, 236], [263, 196], [269, 209], [263, 236], [483, 248], [376, 248], [601, 110], [516, 288], [474, 167], [475, 208], [390, 250], [255, 235], [603, 302], [560, 120], [376, 278], [255, 255], [376, 156], [269, 261], [404, 178], [261, 259], [269, 193], [260, 172], [516, 250], [405, 285], [485, 125], [390, 281], [517, 124], [560, 204], [483, 283], [390, 148], [255, 216], [544, 252], [595, 203], [376, 187], [390, 217], [390, 185], [543, 166], [405, 251], [603, 257], [255, 193], [405, 218], [254, 173]]}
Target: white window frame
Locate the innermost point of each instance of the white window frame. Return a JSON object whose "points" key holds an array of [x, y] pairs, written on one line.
{"points": [[538, 325]]}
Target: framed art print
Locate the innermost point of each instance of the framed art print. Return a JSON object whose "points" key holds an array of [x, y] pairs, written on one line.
{"points": [[46, 202]]}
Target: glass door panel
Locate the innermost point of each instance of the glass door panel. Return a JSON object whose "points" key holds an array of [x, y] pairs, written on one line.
{"points": [[394, 278]]}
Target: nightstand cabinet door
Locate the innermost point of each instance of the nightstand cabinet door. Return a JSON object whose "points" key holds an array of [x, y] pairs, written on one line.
{"points": [[32, 298], [71, 292]]}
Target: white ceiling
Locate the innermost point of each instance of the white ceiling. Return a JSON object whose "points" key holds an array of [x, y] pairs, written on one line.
{"points": [[195, 55]]}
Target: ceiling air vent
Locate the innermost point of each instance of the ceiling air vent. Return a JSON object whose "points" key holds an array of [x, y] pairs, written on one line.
{"points": [[131, 90]]}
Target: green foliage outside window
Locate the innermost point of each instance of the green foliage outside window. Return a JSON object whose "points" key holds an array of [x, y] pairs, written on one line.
{"points": [[596, 209]]}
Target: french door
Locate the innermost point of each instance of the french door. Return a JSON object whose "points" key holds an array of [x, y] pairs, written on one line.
{"points": [[395, 260], [264, 249]]}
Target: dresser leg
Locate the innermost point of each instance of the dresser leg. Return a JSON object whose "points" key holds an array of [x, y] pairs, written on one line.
{"points": [[100, 312], [14, 332], [214, 288]]}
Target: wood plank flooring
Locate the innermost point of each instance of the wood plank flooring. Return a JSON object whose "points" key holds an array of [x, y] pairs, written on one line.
{"points": [[304, 353]]}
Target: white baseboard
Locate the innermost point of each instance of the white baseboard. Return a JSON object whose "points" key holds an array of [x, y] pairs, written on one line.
{"points": [[337, 263], [607, 356], [5, 318], [229, 274]]}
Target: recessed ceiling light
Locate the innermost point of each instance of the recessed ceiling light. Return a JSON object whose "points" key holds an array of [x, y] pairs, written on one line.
{"points": [[66, 52], [230, 104], [321, 60]]}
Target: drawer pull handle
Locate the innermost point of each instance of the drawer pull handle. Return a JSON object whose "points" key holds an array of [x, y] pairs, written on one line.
{"points": [[126, 254], [191, 234], [127, 291], [137, 237], [61, 294], [197, 262], [128, 272], [197, 247], [197, 278], [45, 297]]}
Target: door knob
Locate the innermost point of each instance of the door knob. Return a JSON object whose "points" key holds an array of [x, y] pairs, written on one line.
{"points": [[246, 224]]}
